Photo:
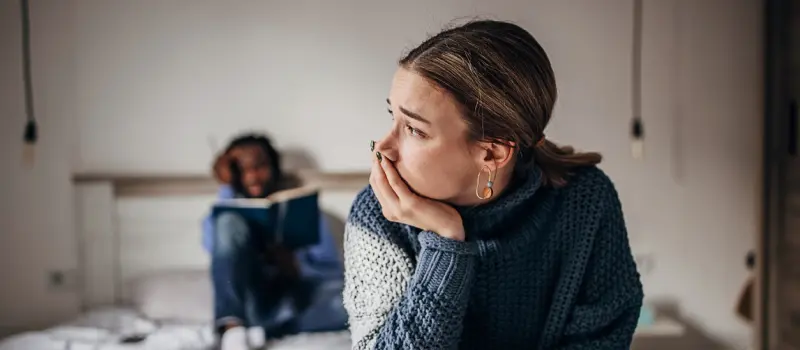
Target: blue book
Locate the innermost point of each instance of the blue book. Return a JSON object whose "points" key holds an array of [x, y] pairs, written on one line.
{"points": [[288, 217]]}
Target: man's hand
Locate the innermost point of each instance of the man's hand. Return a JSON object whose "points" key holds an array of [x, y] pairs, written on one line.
{"points": [[224, 162], [222, 168]]}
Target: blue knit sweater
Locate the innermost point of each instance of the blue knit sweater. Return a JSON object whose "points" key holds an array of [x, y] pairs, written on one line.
{"points": [[541, 268]]}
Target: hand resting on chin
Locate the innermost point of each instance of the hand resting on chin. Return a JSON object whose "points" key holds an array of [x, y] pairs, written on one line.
{"points": [[400, 204]]}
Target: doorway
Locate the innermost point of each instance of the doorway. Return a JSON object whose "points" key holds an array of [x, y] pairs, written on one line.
{"points": [[778, 314]]}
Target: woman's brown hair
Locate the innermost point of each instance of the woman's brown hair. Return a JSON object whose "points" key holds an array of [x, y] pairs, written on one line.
{"points": [[506, 86]]}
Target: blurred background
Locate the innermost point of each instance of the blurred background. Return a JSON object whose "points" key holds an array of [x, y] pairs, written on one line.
{"points": [[133, 99]]}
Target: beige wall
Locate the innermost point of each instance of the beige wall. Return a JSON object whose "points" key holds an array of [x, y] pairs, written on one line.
{"points": [[109, 73], [36, 218]]}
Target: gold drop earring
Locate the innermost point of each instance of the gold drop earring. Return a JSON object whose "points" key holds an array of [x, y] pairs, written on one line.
{"points": [[487, 191]]}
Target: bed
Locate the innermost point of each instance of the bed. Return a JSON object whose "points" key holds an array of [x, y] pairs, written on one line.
{"points": [[125, 328], [144, 282]]}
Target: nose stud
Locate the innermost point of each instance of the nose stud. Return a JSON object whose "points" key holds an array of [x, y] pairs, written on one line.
{"points": [[371, 145]]}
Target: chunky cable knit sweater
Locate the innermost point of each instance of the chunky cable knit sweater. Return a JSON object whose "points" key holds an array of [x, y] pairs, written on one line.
{"points": [[541, 268]]}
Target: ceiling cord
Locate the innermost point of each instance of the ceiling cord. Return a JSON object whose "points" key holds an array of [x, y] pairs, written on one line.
{"points": [[31, 134], [637, 127], [678, 116]]}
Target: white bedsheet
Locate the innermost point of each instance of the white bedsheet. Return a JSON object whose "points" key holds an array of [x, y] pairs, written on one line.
{"points": [[103, 330]]}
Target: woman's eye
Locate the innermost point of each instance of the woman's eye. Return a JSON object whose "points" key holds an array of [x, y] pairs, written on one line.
{"points": [[413, 131], [410, 129]]}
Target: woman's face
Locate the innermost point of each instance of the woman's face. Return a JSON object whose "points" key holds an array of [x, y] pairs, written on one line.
{"points": [[427, 141]]}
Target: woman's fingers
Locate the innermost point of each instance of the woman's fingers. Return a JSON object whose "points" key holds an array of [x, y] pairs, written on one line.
{"points": [[381, 187], [373, 181], [395, 181]]}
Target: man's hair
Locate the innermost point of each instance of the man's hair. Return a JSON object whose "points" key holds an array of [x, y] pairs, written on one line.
{"points": [[263, 142]]}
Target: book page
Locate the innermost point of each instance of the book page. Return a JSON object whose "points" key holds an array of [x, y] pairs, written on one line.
{"points": [[292, 193], [280, 196]]}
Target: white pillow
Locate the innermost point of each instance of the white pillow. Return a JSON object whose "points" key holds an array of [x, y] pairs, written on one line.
{"points": [[181, 296]]}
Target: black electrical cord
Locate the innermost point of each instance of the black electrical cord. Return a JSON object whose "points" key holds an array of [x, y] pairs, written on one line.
{"points": [[637, 128], [31, 134]]}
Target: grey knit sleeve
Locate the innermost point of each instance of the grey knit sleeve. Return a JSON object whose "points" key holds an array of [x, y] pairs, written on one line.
{"points": [[395, 301]]}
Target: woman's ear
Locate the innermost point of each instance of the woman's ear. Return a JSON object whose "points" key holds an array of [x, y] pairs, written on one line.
{"points": [[496, 154]]}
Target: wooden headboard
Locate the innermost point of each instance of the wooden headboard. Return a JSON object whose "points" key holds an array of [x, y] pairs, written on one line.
{"points": [[135, 224], [176, 184]]}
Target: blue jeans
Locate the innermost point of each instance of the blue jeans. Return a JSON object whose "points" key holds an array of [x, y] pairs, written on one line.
{"points": [[246, 291]]}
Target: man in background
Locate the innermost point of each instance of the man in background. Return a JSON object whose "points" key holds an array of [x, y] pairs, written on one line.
{"points": [[259, 285]]}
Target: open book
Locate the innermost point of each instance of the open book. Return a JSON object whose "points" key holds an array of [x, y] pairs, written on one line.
{"points": [[288, 217]]}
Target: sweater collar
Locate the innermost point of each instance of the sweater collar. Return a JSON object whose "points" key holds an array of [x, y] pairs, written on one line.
{"points": [[488, 220]]}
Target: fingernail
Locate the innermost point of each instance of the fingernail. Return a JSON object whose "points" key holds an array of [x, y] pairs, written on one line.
{"points": [[371, 145], [378, 154]]}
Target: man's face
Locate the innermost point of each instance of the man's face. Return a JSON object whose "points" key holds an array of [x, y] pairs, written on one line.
{"points": [[253, 171]]}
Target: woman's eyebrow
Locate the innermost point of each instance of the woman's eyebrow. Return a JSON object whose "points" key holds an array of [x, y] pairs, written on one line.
{"points": [[411, 114]]}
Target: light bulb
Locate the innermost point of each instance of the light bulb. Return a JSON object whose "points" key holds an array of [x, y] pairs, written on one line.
{"points": [[637, 149], [30, 138], [28, 154], [637, 139]]}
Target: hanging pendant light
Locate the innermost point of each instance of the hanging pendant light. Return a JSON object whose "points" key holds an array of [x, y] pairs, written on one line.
{"points": [[637, 126], [31, 134]]}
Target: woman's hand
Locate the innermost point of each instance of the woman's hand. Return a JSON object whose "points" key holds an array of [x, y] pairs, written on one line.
{"points": [[400, 204]]}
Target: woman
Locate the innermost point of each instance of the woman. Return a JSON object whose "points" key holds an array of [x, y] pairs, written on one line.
{"points": [[533, 255]]}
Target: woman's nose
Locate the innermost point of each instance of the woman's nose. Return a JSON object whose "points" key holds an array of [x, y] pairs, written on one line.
{"points": [[387, 148]]}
